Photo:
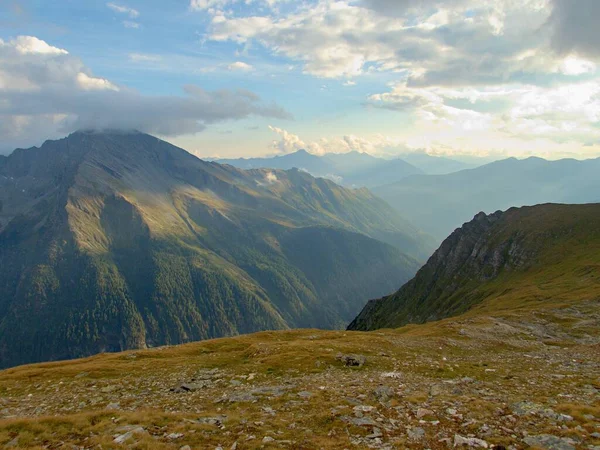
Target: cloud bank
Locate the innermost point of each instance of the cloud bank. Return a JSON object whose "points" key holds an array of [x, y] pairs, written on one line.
{"points": [[45, 91], [469, 74]]}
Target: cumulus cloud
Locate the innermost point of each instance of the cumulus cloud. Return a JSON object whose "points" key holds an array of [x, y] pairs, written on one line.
{"points": [[289, 143], [271, 178], [469, 73], [268, 179], [44, 88], [431, 40], [240, 67], [558, 113]]}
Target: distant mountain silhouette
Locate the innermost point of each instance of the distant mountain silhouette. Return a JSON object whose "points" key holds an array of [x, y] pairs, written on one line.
{"points": [[438, 204]]}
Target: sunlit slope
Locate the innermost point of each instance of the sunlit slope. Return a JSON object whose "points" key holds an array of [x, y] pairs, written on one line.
{"points": [[111, 241]]}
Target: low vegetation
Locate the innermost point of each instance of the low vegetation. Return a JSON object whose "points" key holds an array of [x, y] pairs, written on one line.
{"points": [[503, 380]]}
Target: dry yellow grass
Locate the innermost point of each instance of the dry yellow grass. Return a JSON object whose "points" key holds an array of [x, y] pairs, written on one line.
{"points": [[464, 373]]}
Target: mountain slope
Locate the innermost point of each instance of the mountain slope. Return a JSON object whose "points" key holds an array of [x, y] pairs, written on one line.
{"points": [[111, 241], [436, 165], [438, 204], [530, 257], [353, 169]]}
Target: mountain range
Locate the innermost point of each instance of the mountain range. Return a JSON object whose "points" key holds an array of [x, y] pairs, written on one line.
{"points": [[114, 240], [354, 169], [524, 259], [438, 204]]}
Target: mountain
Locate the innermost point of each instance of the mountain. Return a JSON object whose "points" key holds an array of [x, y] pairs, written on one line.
{"points": [[300, 160], [436, 165], [522, 259], [353, 169], [110, 241], [438, 204]]}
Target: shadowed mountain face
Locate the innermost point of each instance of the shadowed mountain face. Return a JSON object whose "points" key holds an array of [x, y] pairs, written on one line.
{"points": [[525, 258], [438, 204], [110, 241]]}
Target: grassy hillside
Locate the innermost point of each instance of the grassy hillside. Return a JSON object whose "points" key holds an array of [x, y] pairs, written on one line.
{"points": [[513, 379], [524, 258], [115, 241]]}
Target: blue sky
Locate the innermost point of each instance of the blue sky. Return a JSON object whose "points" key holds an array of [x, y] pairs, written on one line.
{"points": [[246, 78]]}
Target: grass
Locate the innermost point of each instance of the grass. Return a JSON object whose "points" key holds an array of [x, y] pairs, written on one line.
{"points": [[506, 365]]}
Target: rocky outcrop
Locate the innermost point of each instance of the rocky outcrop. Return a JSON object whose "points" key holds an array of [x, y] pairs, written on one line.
{"points": [[461, 272]]}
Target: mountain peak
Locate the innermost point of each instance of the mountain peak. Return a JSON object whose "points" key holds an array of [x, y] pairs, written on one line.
{"points": [[108, 132]]}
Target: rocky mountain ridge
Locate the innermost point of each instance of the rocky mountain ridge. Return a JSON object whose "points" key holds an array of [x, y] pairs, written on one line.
{"points": [[492, 259], [111, 241]]}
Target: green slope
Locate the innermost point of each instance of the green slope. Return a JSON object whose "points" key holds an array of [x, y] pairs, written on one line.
{"points": [[113, 241], [531, 257]]}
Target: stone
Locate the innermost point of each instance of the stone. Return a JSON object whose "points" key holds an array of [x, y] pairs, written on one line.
{"points": [[185, 447], [359, 421], [376, 434], [550, 442], [13, 443], [435, 390], [174, 436], [268, 410], [122, 438], [352, 360], [422, 412], [217, 420], [416, 434], [191, 387], [461, 441], [112, 406], [383, 393], [305, 394], [364, 408], [267, 439]]}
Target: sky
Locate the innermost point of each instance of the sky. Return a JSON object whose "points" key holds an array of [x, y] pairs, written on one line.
{"points": [[243, 78]]}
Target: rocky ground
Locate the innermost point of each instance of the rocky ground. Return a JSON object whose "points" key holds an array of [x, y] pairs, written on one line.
{"points": [[513, 381]]}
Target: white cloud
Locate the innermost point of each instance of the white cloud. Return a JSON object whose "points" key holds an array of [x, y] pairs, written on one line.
{"points": [[240, 67], [572, 65], [45, 88], [288, 142], [271, 178], [131, 24], [143, 57], [88, 83], [30, 45], [509, 115], [341, 38], [133, 13]]}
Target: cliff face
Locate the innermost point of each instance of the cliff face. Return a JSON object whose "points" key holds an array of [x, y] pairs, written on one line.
{"points": [[497, 256]]}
